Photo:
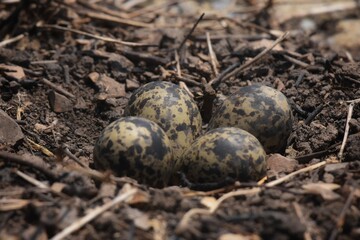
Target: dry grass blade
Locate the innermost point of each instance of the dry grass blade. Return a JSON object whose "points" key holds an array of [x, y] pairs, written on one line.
{"points": [[347, 128], [214, 61], [341, 219], [293, 174], [31, 180], [106, 39], [11, 40]]}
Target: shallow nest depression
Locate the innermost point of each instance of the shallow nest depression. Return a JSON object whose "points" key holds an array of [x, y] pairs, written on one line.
{"points": [[67, 69]]}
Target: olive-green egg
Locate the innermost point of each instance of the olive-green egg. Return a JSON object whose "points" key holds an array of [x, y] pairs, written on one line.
{"points": [[137, 148], [171, 108], [260, 110], [221, 153]]}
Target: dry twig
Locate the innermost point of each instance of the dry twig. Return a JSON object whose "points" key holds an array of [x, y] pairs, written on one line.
{"points": [[14, 158], [189, 34], [31, 180], [11, 40], [214, 61], [347, 128], [106, 39], [341, 219], [93, 214], [250, 62], [59, 89]]}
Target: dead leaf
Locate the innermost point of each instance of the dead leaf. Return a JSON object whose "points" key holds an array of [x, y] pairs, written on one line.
{"points": [[335, 166], [5, 235], [58, 187], [232, 236], [15, 72], [209, 202], [159, 226], [357, 193], [141, 220], [323, 189], [278, 163], [139, 197], [107, 85], [40, 127], [107, 190], [12, 204]]}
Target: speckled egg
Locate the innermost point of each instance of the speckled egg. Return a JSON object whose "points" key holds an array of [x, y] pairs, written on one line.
{"points": [[224, 152], [137, 148], [171, 108], [260, 110]]}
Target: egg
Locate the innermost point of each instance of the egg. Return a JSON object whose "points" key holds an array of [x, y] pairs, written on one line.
{"points": [[221, 153], [171, 108], [260, 110], [137, 148]]}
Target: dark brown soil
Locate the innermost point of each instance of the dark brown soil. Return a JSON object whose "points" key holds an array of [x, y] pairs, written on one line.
{"points": [[320, 203]]}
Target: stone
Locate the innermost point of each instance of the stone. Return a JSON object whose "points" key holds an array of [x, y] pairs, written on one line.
{"points": [[59, 103], [10, 132]]}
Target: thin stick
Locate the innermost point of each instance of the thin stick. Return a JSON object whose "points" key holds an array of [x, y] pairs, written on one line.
{"points": [[313, 114], [290, 175], [354, 101], [39, 184], [188, 81], [114, 19], [31, 180], [67, 152], [224, 73], [57, 88], [191, 31], [178, 67], [347, 127], [13, 158], [300, 215], [93, 214], [295, 61], [252, 61], [43, 62], [106, 39], [11, 40], [214, 61]]}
